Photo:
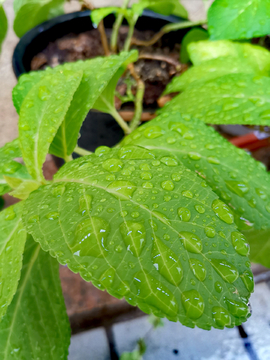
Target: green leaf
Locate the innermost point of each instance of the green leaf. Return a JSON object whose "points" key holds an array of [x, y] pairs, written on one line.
{"points": [[210, 70], [155, 321], [137, 223], [207, 50], [24, 189], [134, 355], [99, 14], [96, 90], [12, 241], [239, 180], [9, 167], [3, 25], [259, 241], [239, 19], [229, 99], [193, 35], [179, 10], [36, 324], [29, 13], [164, 7], [41, 114]]}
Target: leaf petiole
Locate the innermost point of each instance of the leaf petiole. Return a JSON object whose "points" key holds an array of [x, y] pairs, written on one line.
{"points": [[78, 150]]}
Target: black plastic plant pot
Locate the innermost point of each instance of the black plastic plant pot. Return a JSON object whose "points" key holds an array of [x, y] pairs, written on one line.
{"points": [[98, 128]]}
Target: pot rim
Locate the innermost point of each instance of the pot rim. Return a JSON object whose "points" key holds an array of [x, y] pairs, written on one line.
{"points": [[27, 38]]}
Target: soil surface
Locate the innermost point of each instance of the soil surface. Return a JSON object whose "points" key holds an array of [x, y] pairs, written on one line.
{"points": [[156, 71]]}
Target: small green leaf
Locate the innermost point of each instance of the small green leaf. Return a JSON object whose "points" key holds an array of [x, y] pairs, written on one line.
{"points": [[29, 13], [9, 167], [113, 217], [12, 240], [239, 180], [239, 19], [142, 346], [41, 114], [134, 355], [99, 14], [96, 90], [36, 324], [24, 189], [202, 51], [3, 25], [229, 99], [259, 241], [210, 70], [193, 35], [164, 7]]}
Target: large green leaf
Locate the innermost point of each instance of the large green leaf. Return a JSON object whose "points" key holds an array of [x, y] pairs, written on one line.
{"points": [[241, 19], [140, 225], [12, 241], [210, 70], [36, 324], [235, 176], [207, 50], [3, 25], [259, 246], [9, 167], [41, 114], [229, 99], [96, 90], [29, 13]]}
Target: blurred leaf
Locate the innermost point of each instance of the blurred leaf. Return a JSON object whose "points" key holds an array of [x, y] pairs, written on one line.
{"points": [[241, 19], [142, 346], [259, 241], [134, 355], [193, 35], [155, 321], [3, 25]]}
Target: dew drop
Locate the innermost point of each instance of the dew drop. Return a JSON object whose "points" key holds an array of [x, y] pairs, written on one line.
{"points": [[237, 308], [247, 278], [43, 93], [155, 294], [107, 278], [169, 161], [146, 176], [10, 214], [210, 231], [184, 214], [218, 287], [145, 167], [147, 185], [221, 316], [118, 248], [198, 269], [134, 236], [181, 129], [239, 188], [200, 209], [156, 163], [33, 219], [193, 304], [222, 211], [112, 165], [239, 243], [122, 189], [191, 242], [153, 132], [101, 150], [161, 217], [53, 215], [11, 167], [90, 237], [194, 156], [167, 185], [85, 202], [213, 160], [135, 214], [187, 194], [261, 194], [176, 177], [58, 190], [225, 269]]}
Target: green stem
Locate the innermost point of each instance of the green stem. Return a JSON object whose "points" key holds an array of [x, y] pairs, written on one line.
{"points": [[68, 158], [130, 34], [121, 122], [116, 27], [138, 106], [78, 150]]}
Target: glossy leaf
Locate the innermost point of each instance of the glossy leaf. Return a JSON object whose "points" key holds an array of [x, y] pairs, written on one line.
{"points": [[229, 99], [133, 222], [259, 241], [193, 35], [207, 50], [41, 114], [100, 76], [9, 167], [12, 241], [36, 324], [239, 19], [3, 25], [23, 190], [239, 180], [29, 13], [210, 70]]}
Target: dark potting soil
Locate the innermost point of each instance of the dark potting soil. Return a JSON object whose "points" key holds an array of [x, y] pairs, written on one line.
{"points": [[156, 72]]}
